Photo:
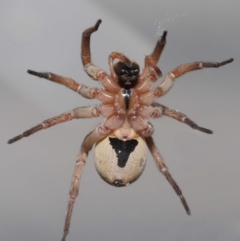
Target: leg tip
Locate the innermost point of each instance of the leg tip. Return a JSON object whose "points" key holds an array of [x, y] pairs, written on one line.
{"points": [[163, 37], [188, 212], [32, 72], [228, 61], [98, 23], [10, 141], [39, 74], [208, 131]]}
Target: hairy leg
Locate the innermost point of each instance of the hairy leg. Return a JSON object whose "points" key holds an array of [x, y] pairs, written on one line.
{"points": [[155, 55], [180, 117], [152, 59], [84, 91], [167, 82], [87, 144], [80, 112], [85, 46], [93, 71], [164, 170], [182, 69]]}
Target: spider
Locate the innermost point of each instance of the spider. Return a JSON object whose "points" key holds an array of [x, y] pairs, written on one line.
{"points": [[127, 101]]}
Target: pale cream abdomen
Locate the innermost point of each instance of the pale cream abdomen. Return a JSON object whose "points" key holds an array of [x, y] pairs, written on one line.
{"points": [[120, 162]]}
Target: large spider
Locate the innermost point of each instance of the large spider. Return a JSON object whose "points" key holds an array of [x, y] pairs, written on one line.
{"points": [[127, 101]]}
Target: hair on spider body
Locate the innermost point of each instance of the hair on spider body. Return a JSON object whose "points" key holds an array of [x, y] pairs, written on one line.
{"points": [[128, 100]]}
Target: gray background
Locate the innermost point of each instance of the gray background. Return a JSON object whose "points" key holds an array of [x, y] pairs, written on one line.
{"points": [[35, 172]]}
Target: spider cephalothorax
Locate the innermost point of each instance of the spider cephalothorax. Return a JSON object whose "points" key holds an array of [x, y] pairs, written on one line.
{"points": [[127, 102], [127, 74]]}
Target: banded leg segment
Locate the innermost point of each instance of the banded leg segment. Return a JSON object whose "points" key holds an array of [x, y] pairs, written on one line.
{"points": [[87, 144], [164, 170], [180, 117], [167, 82], [84, 91], [80, 112]]}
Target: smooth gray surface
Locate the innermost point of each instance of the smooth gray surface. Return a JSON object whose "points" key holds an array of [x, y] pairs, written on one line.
{"points": [[35, 172]]}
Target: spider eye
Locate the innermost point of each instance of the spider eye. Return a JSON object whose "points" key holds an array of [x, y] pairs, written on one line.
{"points": [[134, 71], [124, 72]]}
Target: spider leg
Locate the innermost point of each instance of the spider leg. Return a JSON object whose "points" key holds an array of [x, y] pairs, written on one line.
{"points": [[180, 117], [87, 144], [167, 82], [80, 112], [151, 69], [121, 57], [93, 71], [155, 55], [85, 46], [152, 59], [182, 69], [83, 90], [164, 170]]}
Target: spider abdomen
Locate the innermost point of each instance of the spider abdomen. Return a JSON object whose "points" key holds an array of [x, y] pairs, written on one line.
{"points": [[120, 162]]}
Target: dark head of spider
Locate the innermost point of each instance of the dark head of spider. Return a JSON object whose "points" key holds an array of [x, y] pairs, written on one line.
{"points": [[128, 74]]}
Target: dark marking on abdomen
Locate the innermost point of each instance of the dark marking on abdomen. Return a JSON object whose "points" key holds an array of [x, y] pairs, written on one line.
{"points": [[123, 149], [126, 96]]}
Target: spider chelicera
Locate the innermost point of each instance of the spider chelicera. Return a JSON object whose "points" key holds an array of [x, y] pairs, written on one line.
{"points": [[127, 101]]}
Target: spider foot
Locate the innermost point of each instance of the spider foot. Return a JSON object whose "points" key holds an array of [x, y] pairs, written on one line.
{"points": [[39, 74], [217, 64], [196, 127], [162, 40], [14, 139], [93, 29], [185, 205], [97, 24], [204, 130], [225, 62]]}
